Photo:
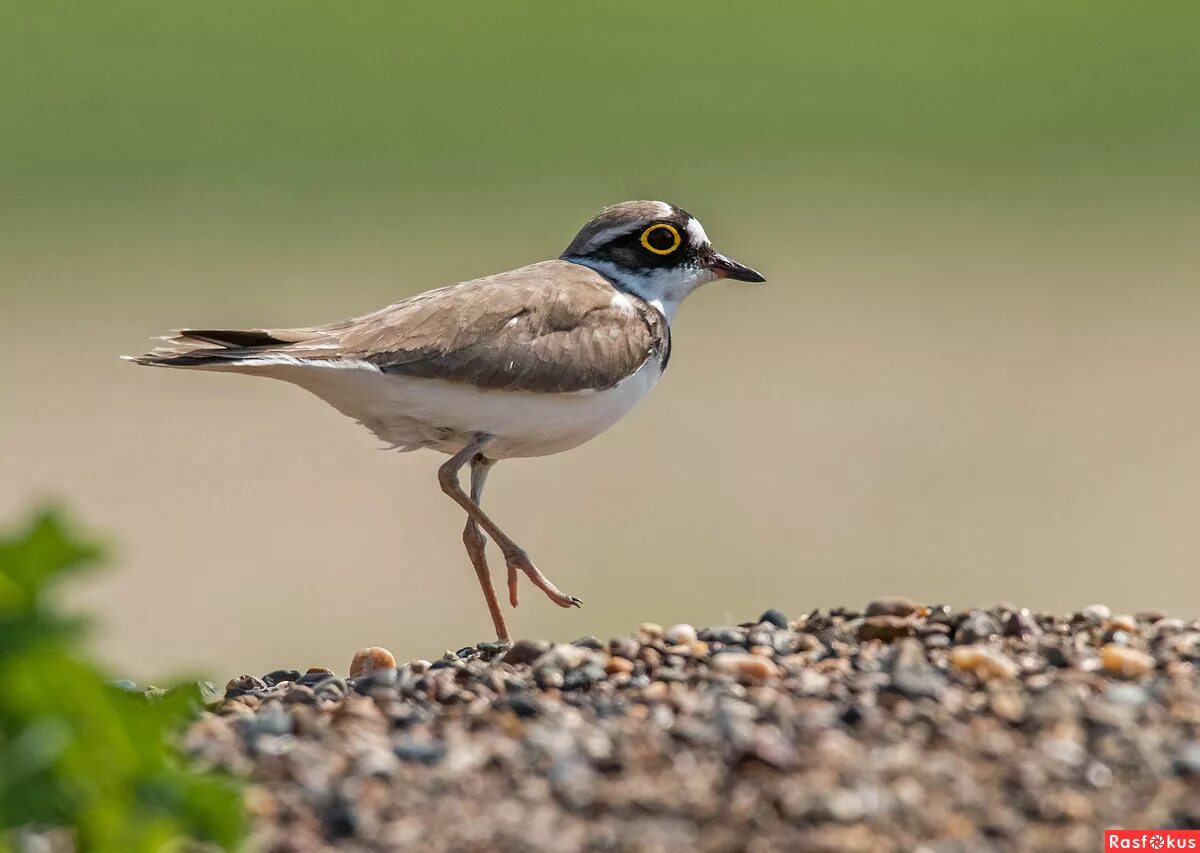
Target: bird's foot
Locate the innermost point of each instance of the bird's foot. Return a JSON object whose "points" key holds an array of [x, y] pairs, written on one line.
{"points": [[519, 561]]}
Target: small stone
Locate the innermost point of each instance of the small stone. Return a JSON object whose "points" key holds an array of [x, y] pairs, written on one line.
{"points": [[524, 704], [591, 641], [369, 660], [746, 667], [1121, 623], [299, 694], [758, 638], [985, 662], [525, 652], [583, 676], [241, 684], [978, 626], [1127, 695], [271, 719], [625, 647], [379, 678], [1007, 705], [1095, 614], [656, 691], [278, 676], [423, 753], [774, 617], [564, 657], [891, 606], [491, 649], [680, 634], [617, 664], [885, 628], [1020, 623], [651, 629], [1187, 763], [726, 634], [314, 676], [912, 675], [1125, 662], [1120, 638]]}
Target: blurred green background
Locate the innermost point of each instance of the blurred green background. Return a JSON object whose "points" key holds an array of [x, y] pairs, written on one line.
{"points": [[971, 378]]}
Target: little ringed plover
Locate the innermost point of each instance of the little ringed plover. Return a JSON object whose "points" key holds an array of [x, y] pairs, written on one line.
{"points": [[522, 363]]}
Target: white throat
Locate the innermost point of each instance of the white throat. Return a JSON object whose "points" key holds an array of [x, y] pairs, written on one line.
{"points": [[665, 289]]}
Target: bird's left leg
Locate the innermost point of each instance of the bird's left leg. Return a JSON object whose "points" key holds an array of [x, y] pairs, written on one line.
{"points": [[475, 543], [514, 555]]}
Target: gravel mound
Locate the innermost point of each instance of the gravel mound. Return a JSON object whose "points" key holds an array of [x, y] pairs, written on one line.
{"points": [[899, 727]]}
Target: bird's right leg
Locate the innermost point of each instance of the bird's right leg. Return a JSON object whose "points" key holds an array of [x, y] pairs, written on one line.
{"points": [[514, 555]]}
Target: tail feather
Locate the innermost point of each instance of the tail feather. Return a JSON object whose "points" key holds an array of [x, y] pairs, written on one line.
{"points": [[236, 338], [214, 347]]}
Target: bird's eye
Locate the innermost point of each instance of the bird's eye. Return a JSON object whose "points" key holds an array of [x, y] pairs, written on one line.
{"points": [[661, 238]]}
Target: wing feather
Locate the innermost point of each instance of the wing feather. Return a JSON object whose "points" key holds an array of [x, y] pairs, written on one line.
{"points": [[550, 327]]}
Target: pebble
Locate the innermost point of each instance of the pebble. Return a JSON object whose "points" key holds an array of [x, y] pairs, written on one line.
{"points": [[278, 676], [1125, 662], [751, 736], [1188, 761], [525, 652], [985, 662], [725, 634], [912, 674], [1121, 623], [773, 617], [1096, 614], [618, 664], [424, 753], [748, 667], [1020, 623], [625, 647], [564, 657], [524, 704], [680, 634], [885, 628], [978, 626], [892, 606], [243, 684], [371, 660]]}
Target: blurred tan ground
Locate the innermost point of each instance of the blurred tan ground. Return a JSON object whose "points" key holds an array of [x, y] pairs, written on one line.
{"points": [[956, 408]]}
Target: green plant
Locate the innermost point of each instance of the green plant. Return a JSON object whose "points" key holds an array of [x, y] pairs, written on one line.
{"points": [[75, 751]]}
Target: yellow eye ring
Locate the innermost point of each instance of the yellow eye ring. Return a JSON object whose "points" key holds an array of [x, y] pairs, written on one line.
{"points": [[665, 227]]}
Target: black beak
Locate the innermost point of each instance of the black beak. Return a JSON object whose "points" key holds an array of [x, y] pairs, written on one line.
{"points": [[726, 268]]}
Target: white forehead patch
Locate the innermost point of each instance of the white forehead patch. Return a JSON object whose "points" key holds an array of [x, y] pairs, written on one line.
{"points": [[696, 232], [665, 211]]}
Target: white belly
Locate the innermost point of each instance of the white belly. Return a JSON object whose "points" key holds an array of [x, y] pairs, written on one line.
{"points": [[411, 413]]}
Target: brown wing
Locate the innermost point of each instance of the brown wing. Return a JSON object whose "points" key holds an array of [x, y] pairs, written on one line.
{"points": [[549, 327]]}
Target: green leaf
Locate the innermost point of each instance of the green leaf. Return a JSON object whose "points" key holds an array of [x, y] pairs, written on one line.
{"points": [[76, 752]]}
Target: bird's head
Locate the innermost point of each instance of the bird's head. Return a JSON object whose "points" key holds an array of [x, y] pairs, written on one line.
{"points": [[653, 250]]}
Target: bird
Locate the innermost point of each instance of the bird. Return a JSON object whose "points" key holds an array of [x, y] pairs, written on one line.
{"points": [[524, 363]]}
